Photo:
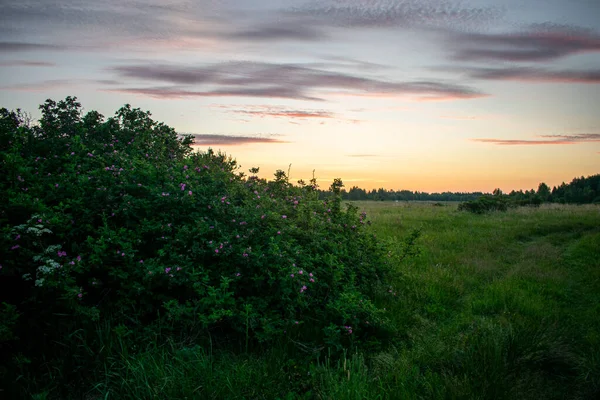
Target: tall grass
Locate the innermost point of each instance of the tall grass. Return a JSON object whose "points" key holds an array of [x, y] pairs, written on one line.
{"points": [[497, 306]]}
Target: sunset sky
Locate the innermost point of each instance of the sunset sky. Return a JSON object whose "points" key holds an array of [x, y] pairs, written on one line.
{"points": [[410, 94]]}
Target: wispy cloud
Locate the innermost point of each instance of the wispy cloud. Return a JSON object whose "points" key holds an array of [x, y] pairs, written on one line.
{"points": [[289, 30], [56, 84], [15, 47], [293, 115], [230, 140], [39, 86], [533, 75], [276, 112], [292, 81], [540, 43], [177, 92], [548, 140], [396, 13], [25, 63], [362, 155]]}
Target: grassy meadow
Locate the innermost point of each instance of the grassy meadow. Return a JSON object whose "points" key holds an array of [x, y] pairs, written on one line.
{"points": [[496, 306]]}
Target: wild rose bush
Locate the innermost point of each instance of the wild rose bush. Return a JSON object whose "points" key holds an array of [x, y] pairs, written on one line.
{"points": [[119, 220]]}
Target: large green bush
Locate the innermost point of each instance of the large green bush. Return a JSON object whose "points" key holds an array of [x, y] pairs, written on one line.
{"points": [[119, 221], [485, 204]]}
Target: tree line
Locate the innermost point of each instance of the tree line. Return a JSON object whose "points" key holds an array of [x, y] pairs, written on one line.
{"points": [[582, 190]]}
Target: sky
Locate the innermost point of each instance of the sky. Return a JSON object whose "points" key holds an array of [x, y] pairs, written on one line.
{"points": [[436, 95]]}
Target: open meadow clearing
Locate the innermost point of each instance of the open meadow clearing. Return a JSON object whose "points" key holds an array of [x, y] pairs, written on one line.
{"points": [[501, 305]]}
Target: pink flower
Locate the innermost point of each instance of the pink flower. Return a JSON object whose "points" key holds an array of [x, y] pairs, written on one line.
{"points": [[80, 295], [78, 258], [310, 274], [190, 192], [216, 250], [279, 232], [292, 275], [141, 261], [167, 270], [300, 272], [284, 216]]}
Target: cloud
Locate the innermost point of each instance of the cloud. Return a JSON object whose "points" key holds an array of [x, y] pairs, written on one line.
{"points": [[534, 75], [290, 30], [277, 112], [180, 93], [542, 42], [293, 115], [14, 47], [229, 140], [292, 81], [353, 63], [549, 140], [56, 83], [39, 86], [396, 13], [362, 155], [24, 63]]}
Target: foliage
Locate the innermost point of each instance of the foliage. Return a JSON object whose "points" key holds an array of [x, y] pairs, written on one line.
{"points": [[118, 220], [355, 193], [503, 307], [485, 204], [578, 191]]}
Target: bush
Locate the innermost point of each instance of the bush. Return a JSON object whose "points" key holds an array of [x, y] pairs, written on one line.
{"points": [[484, 204], [119, 222]]}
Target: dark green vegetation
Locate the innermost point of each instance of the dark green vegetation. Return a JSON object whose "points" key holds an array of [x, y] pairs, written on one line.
{"points": [[356, 194], [115, 236], [578, 191], [495, 306]]}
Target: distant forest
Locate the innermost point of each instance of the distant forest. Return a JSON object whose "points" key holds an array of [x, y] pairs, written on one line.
{"points": [[579, 191]]}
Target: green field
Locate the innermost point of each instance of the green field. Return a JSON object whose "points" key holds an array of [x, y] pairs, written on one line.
{"points": [[496, 306]]}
